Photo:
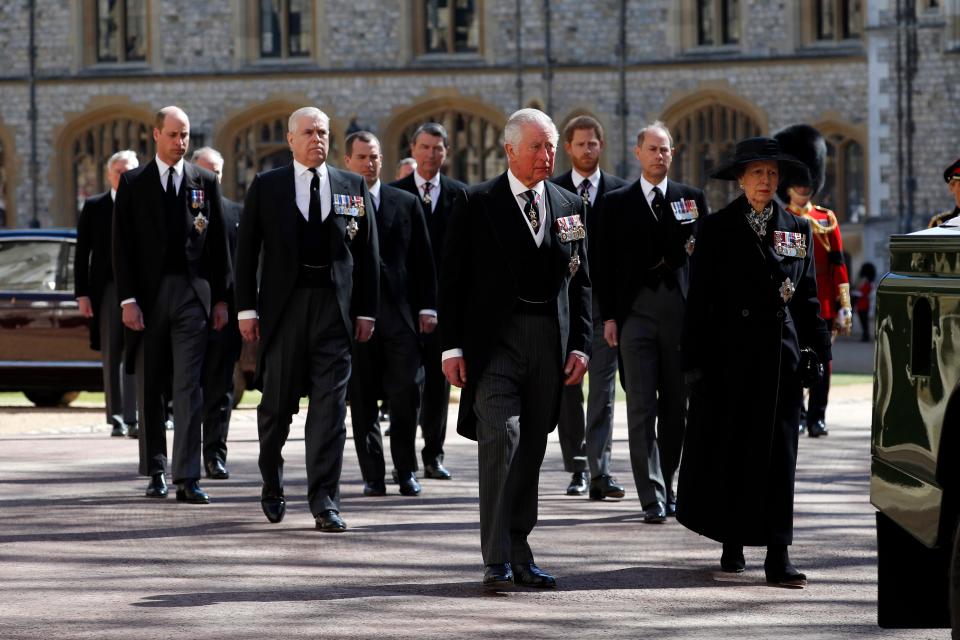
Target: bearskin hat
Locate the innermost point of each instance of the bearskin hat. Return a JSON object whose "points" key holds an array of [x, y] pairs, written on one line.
{"points": [[810, 147]]}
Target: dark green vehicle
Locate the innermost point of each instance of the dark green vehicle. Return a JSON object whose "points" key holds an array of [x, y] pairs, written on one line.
{"points": [[915, 447]]}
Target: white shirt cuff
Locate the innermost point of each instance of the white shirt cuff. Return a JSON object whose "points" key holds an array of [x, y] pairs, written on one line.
{"points": [[428, 312], [127, 301], [249, 314], [451, 353], [586, 358], [366, 318]]}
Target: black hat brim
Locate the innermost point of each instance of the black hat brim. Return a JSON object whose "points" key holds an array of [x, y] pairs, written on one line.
{"points": [[786, 162]]}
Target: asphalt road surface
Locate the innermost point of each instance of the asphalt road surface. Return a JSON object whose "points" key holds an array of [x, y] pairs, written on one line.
{"points": [[84, 555]]}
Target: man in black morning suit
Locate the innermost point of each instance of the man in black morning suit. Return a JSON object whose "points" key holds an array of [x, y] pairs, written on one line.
{"points": [[646, 234], [515, 327], [223, 347], [172, 269], [586, 443], [388, 366], [436, 191], [319, 288], [96, 294]]}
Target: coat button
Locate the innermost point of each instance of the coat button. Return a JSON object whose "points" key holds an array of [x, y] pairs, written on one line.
{"points": [[780, 314], [745, 313]]}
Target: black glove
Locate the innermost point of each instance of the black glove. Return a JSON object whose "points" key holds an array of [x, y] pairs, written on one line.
{"points": [[811, 369]]}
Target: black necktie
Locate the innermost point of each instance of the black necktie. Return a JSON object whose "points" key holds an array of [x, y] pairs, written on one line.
{"points": [[171, 187], [315, 212], [427, 199], [532, 208], [657, 205]]}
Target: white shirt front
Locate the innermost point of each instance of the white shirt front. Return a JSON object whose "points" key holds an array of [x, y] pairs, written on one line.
{"points": [[593, 180], [177, 173], [375, 194], [434, 190], [518, 189], [302, 176], [648, 186]]}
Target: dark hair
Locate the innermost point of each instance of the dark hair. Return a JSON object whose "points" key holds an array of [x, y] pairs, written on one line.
{"points": [[362, 136], [432, 128], [582, 122]]}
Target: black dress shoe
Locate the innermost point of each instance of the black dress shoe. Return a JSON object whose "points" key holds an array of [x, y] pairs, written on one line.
{"points": [[118, 431], [216, 470], [498, 576], [784, 575], [530, 575], [732, 560], [191, 492], [817, 429], [374, 489], [133, 430], [157, 487], [330, 522], [578, 484], [273, 505], [655, 513], [604, 486], [671, 508], [408, 483], [436, 471]]}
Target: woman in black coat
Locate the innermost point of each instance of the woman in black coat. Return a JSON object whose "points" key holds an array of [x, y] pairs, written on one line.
{"points": [[752, 335]]}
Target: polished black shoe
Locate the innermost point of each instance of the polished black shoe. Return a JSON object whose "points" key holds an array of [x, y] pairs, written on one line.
{"points": [[498, 576], [436, 471], [374, 489], [408, 483], [655, 513], [578, 484], [133, 430], [330, 522], [604, 486], [216, 470], [784, 575], [157, 487], [273, 505], [191, 492], [802, 429], [671, 507], [119, 429], [530, 575], [732, 560], [817, 429]]}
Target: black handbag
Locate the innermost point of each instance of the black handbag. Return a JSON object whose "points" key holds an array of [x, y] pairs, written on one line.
{"points": [[810, 370]]}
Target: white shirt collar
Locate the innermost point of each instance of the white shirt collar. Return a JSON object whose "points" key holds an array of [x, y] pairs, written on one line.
{"points": [[518, 187], [648, 186], [594, 178], [164, 167], [300, 169], [375, 191], [420, 181], [113, 194]]}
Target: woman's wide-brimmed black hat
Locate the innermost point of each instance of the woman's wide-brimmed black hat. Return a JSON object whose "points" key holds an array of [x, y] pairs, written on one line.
{"points": [[754, 150]]}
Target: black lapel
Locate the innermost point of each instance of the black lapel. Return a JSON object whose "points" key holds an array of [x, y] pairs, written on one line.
{"points": [[560, 207], [150, 179], [386, 213], [338, 186], [191, 182], [286, 193]]}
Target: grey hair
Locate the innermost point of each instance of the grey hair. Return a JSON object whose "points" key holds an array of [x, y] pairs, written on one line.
{"points": [[409, 161], [656, 124], [434, 129], [210, 152], [127, 155], [513, 130], [312, 112]]}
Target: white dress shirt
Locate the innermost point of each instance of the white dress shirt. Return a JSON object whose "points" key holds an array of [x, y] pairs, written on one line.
{"points": [[593, 180], [434, 190], [302, 176], [648, 186]]}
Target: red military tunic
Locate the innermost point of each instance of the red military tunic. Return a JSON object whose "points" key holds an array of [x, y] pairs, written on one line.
{"points": [[827, 255]]}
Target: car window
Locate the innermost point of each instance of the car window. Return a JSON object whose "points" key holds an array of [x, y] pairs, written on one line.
{"points": [[28, 265], [65, 277]]}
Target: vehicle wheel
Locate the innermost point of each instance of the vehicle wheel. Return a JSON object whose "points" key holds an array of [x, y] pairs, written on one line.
{"points": [[955, 584], [239, 385], [51, 397], [912, 585]]}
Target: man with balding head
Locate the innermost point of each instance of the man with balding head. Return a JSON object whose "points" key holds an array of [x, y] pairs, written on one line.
{"points": [[172, 271], [515, 328], [312, 228]]}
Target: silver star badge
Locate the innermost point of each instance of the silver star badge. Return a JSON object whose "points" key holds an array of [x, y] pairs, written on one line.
{"points": [[787, 289], [200, 222]]}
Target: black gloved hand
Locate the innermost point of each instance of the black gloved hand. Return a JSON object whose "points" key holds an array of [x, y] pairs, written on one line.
{"points": [[810, 370]]}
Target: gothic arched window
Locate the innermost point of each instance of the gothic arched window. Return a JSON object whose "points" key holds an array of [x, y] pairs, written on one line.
{"points": [[845, 188]]}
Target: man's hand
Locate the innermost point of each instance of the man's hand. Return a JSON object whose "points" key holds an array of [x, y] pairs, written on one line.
{"points": [[844, 324], [610, 332], [363, 329], [86, 306], [133, 317], [220, 316], [455, 370], [575, 369], [427, 323], [250, 330]]}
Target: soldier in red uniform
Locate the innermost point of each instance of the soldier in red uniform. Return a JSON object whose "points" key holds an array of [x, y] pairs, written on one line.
{"points": [[951, 176], [833, 284]]}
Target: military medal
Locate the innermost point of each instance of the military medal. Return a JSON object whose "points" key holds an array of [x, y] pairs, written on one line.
{"points": [[196, 198], [200, 222], [570, 228], [690, 244], [352, 228], [685, 210], [574, 261], [787, 289], [347, 205], [790, 244]]}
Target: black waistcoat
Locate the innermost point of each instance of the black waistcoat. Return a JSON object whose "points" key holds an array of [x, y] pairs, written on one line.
{"points": [[175, 258], [314, 239], [534, 269]]}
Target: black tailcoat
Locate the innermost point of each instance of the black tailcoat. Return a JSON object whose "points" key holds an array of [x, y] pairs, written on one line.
{"points": [[92, 263], [479, 280], [744, 341], [270, 223], [139, 240], [439, 218], [608, 182]]}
